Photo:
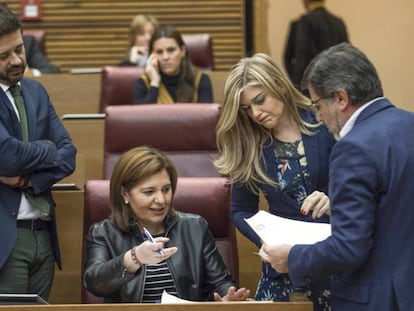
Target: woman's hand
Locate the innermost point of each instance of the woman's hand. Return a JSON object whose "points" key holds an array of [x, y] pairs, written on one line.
{"points": [[137, 53], [318, 203], [152, 71], [149, 253], [234, 295]]}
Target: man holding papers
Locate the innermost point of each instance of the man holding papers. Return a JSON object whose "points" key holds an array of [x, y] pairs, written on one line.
{"points": [[370, 254]]}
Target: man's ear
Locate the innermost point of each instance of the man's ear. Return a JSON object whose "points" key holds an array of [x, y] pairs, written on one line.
{"points": [[342, 99]]}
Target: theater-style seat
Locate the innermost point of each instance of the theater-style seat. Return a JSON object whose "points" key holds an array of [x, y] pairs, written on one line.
{"points": [[200, 49], [206, 196], [185, 132], [117, 84]]}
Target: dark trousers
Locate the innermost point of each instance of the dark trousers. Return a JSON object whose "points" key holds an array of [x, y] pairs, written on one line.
{"points": [[30, 266]]}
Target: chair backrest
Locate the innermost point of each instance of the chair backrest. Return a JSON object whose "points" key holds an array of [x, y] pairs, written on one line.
{"points": [[185, 132], [40, 37], [206, 196], [117, 85], [200, 49]]}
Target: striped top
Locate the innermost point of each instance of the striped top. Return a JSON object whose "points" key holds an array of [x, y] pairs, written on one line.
{"points": [[158, 278]]}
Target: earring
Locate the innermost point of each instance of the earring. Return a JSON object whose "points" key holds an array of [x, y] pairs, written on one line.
{"points": [[126, 201]]}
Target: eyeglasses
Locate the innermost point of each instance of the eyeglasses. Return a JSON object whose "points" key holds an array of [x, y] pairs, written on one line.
{"points": [[315, 103]]}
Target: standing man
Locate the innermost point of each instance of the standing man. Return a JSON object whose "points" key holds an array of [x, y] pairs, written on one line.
{"points": [[370, 254], [316, 31], [35, 152]]}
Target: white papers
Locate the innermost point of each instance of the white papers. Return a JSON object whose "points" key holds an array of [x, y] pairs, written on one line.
{"points": [[275, 230], [168, 298]]}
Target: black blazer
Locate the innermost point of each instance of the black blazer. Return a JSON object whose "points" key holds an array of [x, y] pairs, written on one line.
{"points": [[316, 31]]}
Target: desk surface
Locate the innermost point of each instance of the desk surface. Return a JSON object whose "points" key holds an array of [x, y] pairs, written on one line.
{"points": [[206, 306], [81, 93]]}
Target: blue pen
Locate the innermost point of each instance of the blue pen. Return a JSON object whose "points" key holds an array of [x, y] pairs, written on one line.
{"points": [[151, 239]]}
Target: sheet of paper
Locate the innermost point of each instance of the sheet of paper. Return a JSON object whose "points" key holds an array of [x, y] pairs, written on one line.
{"points": [[275, 230], [168, 298]]}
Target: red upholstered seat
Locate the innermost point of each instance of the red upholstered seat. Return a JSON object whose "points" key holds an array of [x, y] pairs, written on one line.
{"points": [[206, 196], [200, 49], [117, 84], [185, 132]]}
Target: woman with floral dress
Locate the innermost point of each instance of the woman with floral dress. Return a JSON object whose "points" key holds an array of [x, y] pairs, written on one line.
{"points": [[270, 143]]}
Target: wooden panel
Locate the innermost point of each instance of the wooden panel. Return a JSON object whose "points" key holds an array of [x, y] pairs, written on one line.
{"points": [[72, 93], [94, 33], [69, 217], [206, 306]]}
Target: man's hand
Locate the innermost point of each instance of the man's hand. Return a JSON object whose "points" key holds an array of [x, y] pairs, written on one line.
{"points": [[14, 182], [277, 256]]}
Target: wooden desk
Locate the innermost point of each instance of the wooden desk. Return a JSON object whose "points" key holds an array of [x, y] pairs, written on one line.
{"points": [[88, 137], [69, 216], [72, 93], [206, 306]]}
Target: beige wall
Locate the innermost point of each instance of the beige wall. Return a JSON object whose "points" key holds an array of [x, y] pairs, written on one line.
{"points": [[382, 29]]}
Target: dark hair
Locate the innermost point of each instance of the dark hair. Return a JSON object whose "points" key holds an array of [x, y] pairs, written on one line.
{"points": [[9, 22], [343, 66], [185, 89], [131, 168]]}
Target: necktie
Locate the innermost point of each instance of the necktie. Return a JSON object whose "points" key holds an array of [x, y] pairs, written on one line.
{"points": [[18, 101], [37, 202]]}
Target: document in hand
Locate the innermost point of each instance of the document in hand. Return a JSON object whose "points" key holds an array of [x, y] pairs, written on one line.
{"points": [[275, 230]]}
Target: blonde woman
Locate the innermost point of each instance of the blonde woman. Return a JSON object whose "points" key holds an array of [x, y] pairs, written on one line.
{"points": [[141, 29], [270, 142]]}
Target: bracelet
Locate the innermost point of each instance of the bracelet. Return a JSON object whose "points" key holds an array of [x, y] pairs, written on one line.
{"points": [[134, 258]]}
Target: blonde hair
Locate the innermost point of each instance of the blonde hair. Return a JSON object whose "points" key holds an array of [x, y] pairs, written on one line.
{"points": [[136, 26], [239, 139]]}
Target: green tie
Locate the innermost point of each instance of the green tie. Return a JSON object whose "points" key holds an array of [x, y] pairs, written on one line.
{"points": [[37, 202], [18, 101]]}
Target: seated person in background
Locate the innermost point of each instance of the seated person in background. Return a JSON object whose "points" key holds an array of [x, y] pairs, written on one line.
{"points": [[121, 262], [37, 62], [141, 29], [169, 75]]}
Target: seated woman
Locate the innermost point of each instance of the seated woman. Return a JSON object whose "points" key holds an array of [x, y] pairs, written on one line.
{"points": [[169, 75], [123, 266], [140, 32]]}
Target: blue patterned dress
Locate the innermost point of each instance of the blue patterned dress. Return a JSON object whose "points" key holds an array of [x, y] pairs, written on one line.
{"points": [[293, 179]]}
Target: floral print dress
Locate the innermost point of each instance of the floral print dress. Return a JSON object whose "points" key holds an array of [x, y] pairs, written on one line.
{"points": [[293, 179]]}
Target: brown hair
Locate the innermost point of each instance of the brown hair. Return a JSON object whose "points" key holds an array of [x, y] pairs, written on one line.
{"points": [[186, 84], [131, 168]]}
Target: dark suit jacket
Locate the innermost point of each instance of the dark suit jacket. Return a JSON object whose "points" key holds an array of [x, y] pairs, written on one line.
{"points": [[370, 254], [316, 31], [48, 157], [35, 58], [289, 52]]}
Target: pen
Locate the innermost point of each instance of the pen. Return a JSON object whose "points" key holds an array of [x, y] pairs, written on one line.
{"points": [[151, 239]]}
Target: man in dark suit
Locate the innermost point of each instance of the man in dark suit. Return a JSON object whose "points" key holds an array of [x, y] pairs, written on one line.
{"points": [[35, 152], [35, 58], [370, 254], [315, 31]]}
